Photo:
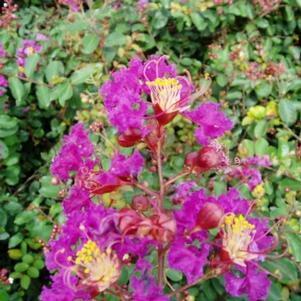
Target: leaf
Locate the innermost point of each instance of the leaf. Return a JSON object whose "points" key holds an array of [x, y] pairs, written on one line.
{"points": [[33, 272], [17, 89], [4, 295], [90, 42], [25, 282], [198, 21], [261, 147], [174, 275], [294, 242], [53, 70], [8, 126], [3, 218], [21, 267], [31, 64], [66, 94], [81, 75], [287, 112], [15, 240], [43, 95], [263, 89], [160, 19], [286, 270], [260, 128], [115, 39], [4, 152]]}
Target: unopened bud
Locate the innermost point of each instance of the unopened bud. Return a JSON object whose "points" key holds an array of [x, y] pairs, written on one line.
{"points": [[210, 216]]}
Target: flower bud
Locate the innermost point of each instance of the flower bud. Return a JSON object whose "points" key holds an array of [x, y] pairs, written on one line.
{"points": [[140, 203], [210, 216], [130, 137], [163, 117]]}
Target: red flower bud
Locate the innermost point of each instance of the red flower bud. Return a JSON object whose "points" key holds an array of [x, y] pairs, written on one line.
{"points": [[208, 158], [130, 137], [210, 216], [140, 203]]}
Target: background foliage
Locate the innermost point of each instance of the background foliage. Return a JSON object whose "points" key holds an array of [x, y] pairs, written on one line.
{"points": [[233, 44]]}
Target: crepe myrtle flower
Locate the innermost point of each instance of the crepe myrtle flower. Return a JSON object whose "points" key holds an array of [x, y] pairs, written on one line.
{"points": [[28, 48], [131, 91]]}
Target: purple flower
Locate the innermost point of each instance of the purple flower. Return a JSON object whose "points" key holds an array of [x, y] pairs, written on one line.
{"points": [[250, 176], [74, 5], [3, 84], [146, 289], [142, 4], [211, 121], [188, 259], [77, 200], [41, 37], [63, 289], [127, 167], [28, 47], [258, 161], [255, 283], [122, 99], [77, 148], [182, 191]]}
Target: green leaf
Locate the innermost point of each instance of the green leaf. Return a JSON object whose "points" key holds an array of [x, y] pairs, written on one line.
{"points": [[90, 42], [15, 240], [27, 258], [263, 89], [160, 19], [53, 70], [31, 64], [17, 89], [294, 242], [43, 95], [25, 282], [115, 39], [81, 75], [4, 295], [174, 275], [260, 128], [287, 112], [286, 270], [3, 218], [66, 94], [8, 126], [33, 272], [21, 267], [39, 264], [221, 80], [4, 152], [198, 21], [261, 147]]}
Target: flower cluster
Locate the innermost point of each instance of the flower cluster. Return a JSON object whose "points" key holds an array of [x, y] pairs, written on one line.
{"points": [[3, 80], [170, 94], [201, 236], [28, 48]]}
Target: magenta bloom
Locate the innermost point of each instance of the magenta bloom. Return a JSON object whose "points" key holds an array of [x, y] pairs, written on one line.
{"points": [[3, 84], [122, 99], [61, 291], [211, 121], [77, 148], [255, 283], [77, 200], [146, 289], [74, 5]]}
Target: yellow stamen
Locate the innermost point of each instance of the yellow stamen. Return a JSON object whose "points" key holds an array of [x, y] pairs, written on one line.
{"points": [[238, 235], [166, 92], [95, 267]]}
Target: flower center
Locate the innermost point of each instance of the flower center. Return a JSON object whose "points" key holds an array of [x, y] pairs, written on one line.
{"points": [[238, 235], [97, 268], [30, 50], [166, 93]]}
